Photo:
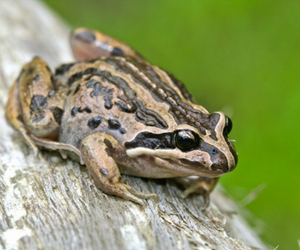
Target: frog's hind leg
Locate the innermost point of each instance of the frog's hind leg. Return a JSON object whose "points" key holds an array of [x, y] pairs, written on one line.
{"points": [[41, 102], [97, 151], [42, 99], [35, 105], [89, 44], [14, 116]]}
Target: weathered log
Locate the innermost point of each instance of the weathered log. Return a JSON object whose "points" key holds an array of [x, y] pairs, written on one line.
{"points": [[51, 203]]}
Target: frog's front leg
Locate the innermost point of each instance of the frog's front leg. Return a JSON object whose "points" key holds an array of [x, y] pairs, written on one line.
{"points": [[98, 151], [201, 185]]}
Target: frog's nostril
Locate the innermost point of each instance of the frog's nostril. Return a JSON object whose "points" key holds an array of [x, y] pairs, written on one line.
{"points": [[214, 151]]}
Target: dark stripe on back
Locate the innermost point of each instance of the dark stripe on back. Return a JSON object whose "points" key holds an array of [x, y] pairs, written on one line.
{"points": [[182, 112], [127, 102], [60, 70]]}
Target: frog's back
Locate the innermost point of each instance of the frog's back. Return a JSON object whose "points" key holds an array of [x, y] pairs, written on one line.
{"points": [[122, 96]]}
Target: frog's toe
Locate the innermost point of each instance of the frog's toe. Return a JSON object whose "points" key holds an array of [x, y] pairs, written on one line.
{"points": [[198, 189], [202, 186], [129, 193], [192, 190], [30, 143], [126, 192], [142, 195]]}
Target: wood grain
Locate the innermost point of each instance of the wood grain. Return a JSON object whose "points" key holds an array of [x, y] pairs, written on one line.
{"points": [[51, 203]]}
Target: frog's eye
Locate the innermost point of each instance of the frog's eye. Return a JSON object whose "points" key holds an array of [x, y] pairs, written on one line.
{"points": [[228, 126], [186, 140]]}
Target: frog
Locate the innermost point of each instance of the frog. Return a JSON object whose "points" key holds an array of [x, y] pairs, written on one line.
{"points": [[117, 114]]}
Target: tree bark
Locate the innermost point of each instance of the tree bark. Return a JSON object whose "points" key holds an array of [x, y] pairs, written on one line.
{"points": [[51, 203]]}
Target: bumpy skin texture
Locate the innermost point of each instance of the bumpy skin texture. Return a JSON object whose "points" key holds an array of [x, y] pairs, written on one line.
{"points": [[117, 113]]}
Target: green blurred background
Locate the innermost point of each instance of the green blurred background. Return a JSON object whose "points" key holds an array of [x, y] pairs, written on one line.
{"points": [[241, 57]]}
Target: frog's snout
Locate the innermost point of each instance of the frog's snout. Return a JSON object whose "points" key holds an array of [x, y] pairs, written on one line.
{"points": [[221, 163]]}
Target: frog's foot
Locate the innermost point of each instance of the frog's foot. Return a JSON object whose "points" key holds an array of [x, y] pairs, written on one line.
{"points": [[202, 186], [57, 146], [29, 141], [128, 193], [97, 151], [141, 194]]}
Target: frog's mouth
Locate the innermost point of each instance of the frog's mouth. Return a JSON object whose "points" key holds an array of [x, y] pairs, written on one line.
{"points": [[202, 169], [178, 164]]}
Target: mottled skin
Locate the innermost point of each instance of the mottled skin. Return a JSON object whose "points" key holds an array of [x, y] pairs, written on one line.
{"points": [[116, 113]]}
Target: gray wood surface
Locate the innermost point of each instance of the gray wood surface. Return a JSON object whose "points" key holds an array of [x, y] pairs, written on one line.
{"points": [[50, 203]]}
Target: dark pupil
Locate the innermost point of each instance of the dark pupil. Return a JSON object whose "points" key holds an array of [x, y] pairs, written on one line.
{"points": [[185, 140], [228, 126]]}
